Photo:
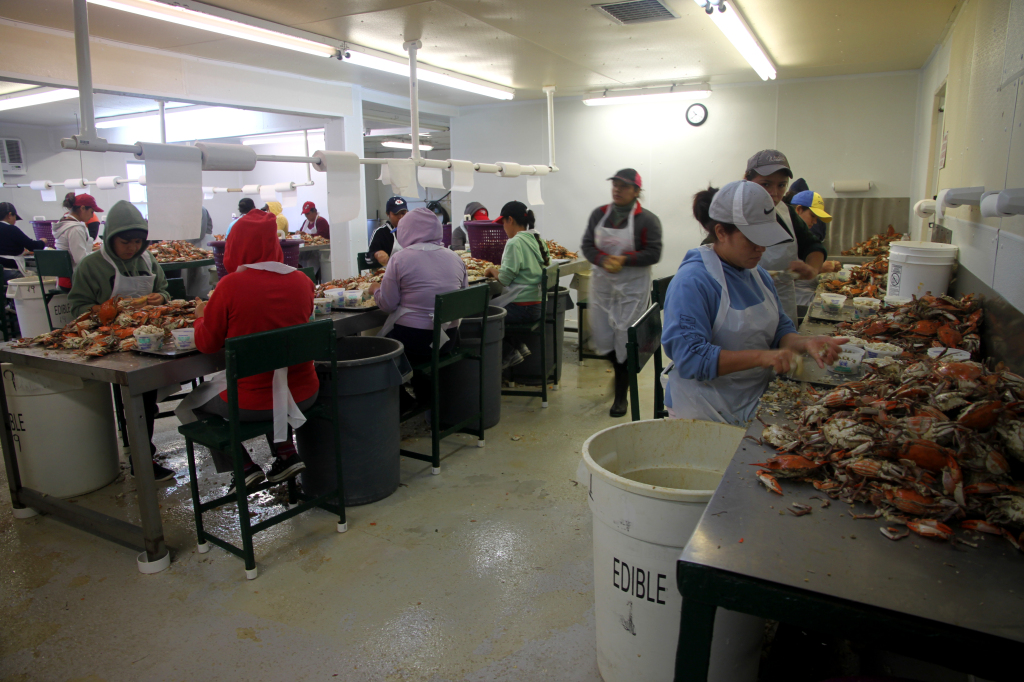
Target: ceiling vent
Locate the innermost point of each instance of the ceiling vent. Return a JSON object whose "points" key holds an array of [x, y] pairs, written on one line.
{"points": [[637, 11]]}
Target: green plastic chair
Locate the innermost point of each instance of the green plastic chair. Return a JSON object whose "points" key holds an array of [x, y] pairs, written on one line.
{"points": [[454, 305], [361, 265], [309, 272], [643, 341], [176, 288], [53, 263], [247, 356], [548, 284], [659, 289]]}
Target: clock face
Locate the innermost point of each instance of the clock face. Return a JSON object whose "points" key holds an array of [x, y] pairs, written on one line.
{"points": [[696, 114]]}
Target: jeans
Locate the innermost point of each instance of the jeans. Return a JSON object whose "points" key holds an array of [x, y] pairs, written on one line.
{"points": [[518, 314], [218, 407]]}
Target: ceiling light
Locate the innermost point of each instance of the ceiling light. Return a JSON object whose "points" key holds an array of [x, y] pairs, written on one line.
{"points": [[210, 22], [687, 94], [395, 144], [424, 73], [731, 23], [276, 138], [34, 97]]}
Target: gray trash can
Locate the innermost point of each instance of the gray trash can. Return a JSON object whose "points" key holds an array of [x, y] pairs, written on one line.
{"points": [[529, 372], [459, 398], [371, 370]]}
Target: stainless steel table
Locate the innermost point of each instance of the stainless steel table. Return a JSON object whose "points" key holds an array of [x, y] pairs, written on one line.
{"points": [[134, 374], [187, 264]]}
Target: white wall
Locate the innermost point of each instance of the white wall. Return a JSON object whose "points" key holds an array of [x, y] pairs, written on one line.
{"points": [[831, 129]]}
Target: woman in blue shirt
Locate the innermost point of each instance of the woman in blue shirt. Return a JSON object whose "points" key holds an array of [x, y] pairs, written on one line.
{"points": [[725, 329]]}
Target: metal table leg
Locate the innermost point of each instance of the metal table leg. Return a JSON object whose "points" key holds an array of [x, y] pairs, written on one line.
{"points": [[156, 557], [693, 656], [11, 460]]}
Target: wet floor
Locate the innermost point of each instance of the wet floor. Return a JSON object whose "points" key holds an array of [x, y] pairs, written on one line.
{"points": [[481, 573]]}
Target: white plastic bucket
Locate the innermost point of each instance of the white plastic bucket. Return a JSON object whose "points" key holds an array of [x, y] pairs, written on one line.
{"points": [[28, 303], [649, 482], [63, 430], [916, 268]]}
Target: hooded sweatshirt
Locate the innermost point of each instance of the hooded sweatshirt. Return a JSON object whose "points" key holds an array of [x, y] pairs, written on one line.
{"points": [[253, 301], [413, 277], [94, 276], [71, 234], [282, 222]]}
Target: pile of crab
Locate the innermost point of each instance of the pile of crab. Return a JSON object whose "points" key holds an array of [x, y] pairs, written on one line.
{"points": [[874, 246], [865, 280], [937, 445], [361, 282], [929, 321], [178, 252], [110, 327]]}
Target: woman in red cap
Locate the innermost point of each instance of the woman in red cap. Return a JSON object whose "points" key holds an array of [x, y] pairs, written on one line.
{"points": [[71, 233], [260, 293], [315, 223]]}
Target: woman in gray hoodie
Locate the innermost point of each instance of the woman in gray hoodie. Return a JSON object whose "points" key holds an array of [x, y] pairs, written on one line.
{"points": [[71, 233]]}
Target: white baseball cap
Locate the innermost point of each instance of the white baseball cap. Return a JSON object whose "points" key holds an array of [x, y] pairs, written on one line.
{"points": [[750, 208]]}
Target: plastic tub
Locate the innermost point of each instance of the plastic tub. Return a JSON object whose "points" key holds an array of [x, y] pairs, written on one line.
{"points": [[650, 482], [949, 354], [849, 360], [63, 431], [149, 341], [486, 239], [184, 338], [370, 371], [446, 235], [529, 372], [290, 247], [28, 303], [459, 382], [882, 350], [336, 297], [919, 268], [896, 301], [832, 304], [353, 298], [322, 306]]}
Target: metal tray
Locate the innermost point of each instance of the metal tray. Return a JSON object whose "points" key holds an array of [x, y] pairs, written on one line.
{"points": [[360, 309], [845, 315], [817, 376]]}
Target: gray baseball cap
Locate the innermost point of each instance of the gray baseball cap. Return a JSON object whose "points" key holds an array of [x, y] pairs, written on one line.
{"points": [[750, 208], [768, 161]]}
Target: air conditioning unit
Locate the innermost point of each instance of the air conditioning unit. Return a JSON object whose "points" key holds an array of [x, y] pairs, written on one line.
{"points": [[12, 160]]}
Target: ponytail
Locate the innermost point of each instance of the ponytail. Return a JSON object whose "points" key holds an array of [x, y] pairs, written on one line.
{"points": [[541, 245], [69, 201], [701, 211]]}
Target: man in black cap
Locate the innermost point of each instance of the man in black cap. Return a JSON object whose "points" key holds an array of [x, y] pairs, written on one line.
{"points": [[383, 242], [14, 242]]}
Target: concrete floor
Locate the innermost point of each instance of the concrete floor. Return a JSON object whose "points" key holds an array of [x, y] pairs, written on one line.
{"points": [[481, 573]]}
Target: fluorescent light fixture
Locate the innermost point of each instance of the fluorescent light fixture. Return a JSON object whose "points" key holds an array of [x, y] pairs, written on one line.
{"points": [[277, 138], [423, 73], [33, 97], [210, 22], [684, 94], [731, 23], [395, 144]]}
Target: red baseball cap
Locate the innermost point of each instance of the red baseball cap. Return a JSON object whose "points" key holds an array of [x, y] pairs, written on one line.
{"points": [[629, 175], [307, 207], [87, 200]]}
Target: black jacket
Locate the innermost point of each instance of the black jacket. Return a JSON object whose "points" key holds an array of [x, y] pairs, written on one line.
{"points": [[646, 235], [13, 242], [382, 240]]}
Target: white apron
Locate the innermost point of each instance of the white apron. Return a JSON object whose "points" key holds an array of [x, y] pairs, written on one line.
{"points": [[401, 310], [307, 228], [286, 410], [127, 286], [732, 398], [618, 299], [396, 247], [779, 257]]}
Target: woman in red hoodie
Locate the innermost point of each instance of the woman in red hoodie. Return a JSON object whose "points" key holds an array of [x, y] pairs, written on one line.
{"points": [[259, 294]]}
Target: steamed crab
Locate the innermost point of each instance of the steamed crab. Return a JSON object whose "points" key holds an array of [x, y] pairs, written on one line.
{"points": [[847, 433]]}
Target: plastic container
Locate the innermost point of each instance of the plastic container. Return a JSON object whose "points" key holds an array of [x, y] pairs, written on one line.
{"points": [[336, 297], [459, 382], [322, 306], [919, 268], [290, 247], [217, 246], [874, 349], [896, 301], [353, 298], [866, 303], [28, 303], [446, 235], [528, 372], [832, 304], [849, 360], [486, 239], [370, 371], [650, 482], [184, 338], [149, 341], [949, 354], [43, 229], [63, 431]]}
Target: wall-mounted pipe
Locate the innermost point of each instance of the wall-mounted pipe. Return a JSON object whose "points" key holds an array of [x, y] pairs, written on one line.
{"points": [[87, 129], [549, 92], [163, 123]]}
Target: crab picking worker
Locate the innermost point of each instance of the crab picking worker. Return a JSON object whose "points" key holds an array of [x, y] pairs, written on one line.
{"points": [[725, 329], [260, 293], [123, 267], [71, 233], [522, 264], [460, 239], [14, 242], [384, 241], [314, 223], [810, 207], [623, 241]]}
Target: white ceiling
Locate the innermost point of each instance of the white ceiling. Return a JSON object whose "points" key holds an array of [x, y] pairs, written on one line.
{"points": [[530, 43]]}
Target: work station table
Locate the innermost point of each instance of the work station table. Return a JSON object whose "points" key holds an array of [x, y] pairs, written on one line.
{"points": [[955, 605], [187, 264], [134, 374]]}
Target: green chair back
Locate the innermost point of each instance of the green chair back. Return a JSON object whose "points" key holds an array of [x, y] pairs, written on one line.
{"points": [[52, 263], [176, 287], [659, 289], [266, 351], [309, 272], [643, 341], [361, 262]]}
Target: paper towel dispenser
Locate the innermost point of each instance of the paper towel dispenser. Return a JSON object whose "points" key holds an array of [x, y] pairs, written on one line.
{"points": [[960, 196]]}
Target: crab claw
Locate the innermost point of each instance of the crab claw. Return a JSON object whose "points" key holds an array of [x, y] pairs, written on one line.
{"points": [[894, 533], [768, 481]]}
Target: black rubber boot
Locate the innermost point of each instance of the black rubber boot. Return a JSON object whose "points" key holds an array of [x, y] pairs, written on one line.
{"points": [[618, 408]]}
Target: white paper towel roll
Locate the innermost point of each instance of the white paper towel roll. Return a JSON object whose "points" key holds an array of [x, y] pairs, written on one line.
{"points": [[988, 206], [940, 205], [289, 199], [74, 183], [462, 175], [533, 192], [851, 185], [227, 157], [430, 177], [403, 177], [40, 184], [48, 195], [268, 193], [174, 190], [284, 187], [385, 174], [924, 208], [343, 193], [540, 171], [109, 182], [250, 189], [508, 169]]}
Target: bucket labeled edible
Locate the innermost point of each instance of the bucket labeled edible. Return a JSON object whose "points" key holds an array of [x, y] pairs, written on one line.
{"points": [[919, 268]]}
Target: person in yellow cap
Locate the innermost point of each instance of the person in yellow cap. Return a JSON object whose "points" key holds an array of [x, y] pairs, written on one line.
{"points": [[811, 209]]}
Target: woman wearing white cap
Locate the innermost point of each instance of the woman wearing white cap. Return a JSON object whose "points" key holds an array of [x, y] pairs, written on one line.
{"points": [[725, 329]]}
